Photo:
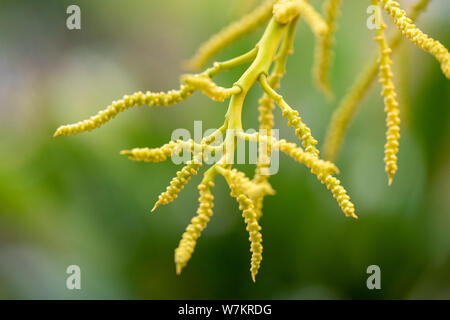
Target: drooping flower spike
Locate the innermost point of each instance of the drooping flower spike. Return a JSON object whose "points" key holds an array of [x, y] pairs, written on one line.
{"points": [[349, 104], [193, 231], [390, 100], [236, 181], [269, 56]]}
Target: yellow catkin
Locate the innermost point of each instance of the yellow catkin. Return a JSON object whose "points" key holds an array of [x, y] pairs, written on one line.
{"points": [[294, 120], [324, 49], [194, 230], [339, 194], [136, 99], [417, 37], [151, 155], [301, 130], [390, 101], [348, 106], [323, 170], [209, 87], [284, 11], [236, 181], [178, 183], [312, 162], [230, 34]]}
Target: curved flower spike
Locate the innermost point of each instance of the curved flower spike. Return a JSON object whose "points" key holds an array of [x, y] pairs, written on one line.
{"points": [[178, 183], [301, 129], [151, 155], [324, 50], [198, 223], [136, 99], [312, 162], [323, 170], [209, 87], [339, 194], [417, 37], [230, 34], [390, 101], [235, 180]]}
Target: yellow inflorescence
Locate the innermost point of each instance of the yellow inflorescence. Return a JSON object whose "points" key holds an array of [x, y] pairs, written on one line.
{"points": [[324, 171], [301, 130], [178, 183], [151, 155], [136, 99], [235, 180], [198, 223], [339, 194], [390, 101], [230, 34], [209, 87], [311, 161], [324, 49], [419, 38], [275, 46]]}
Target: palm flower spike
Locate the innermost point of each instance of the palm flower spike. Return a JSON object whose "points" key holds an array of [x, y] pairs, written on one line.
{"points": [[381, 64], [272, 50]]}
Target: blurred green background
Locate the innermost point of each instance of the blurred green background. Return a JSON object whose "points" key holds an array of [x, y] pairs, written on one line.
{"points": [[75, 200]]}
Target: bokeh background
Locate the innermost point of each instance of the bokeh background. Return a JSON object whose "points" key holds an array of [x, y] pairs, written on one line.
{"points": [[75, 200]]}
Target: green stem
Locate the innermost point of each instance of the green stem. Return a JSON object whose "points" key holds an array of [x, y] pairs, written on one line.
{"points": [[267, 48]]}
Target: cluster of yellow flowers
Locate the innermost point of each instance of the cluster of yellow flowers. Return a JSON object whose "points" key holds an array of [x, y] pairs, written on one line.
{"points": [[269, 54]]}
